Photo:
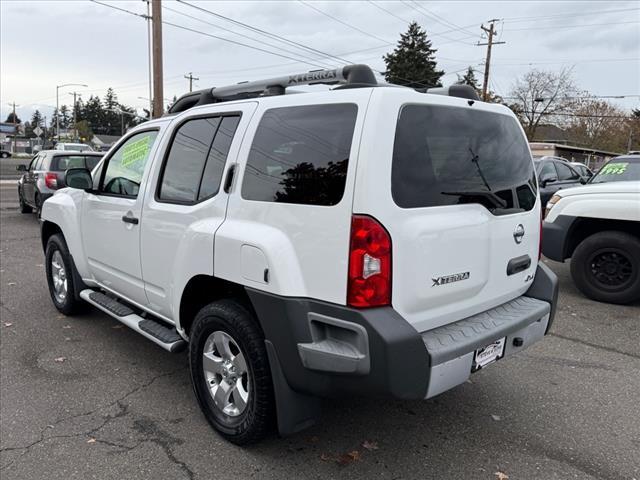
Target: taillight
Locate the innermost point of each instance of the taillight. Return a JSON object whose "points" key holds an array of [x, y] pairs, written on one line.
{"points": [[369, 282], [51, 180]]}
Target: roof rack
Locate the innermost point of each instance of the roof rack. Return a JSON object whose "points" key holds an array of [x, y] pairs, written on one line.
{"points": [[350, 76], [456, 90]]}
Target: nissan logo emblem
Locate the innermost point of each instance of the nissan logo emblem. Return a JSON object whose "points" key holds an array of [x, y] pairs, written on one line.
{"points": [[518, 233]]}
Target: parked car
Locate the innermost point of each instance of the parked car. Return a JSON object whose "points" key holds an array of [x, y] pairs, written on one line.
{"points": [[584, 171], [598, 227], [73, 147], [45, 174], [554, 175], [5, 154], [355, 241], [619, 169]]}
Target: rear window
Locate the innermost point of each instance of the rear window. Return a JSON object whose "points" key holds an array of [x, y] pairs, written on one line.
{"points": [[621, 169], [451, 155], [300, 155], [62, 163]]}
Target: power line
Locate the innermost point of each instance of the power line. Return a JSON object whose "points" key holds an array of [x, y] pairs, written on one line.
{"points": [[345, 23], [567, 14], [388, 11], [443, 21], [237, 33], [264, 32], [569, 26], [426, 13]]}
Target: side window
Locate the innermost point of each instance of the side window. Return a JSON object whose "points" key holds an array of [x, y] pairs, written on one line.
{"points": [[34, 161], [196, 159], [125, 167], [548, 170], [217, 157], [565, 172], [300, 155]]}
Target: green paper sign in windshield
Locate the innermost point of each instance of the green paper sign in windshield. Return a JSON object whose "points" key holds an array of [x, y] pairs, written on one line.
{"points": [[614, 169], [135, 152]]}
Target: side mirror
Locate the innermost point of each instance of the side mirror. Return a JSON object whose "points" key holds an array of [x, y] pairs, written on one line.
{"points": [[21, 168], [546, 180], [79, 178], [583, 180]]}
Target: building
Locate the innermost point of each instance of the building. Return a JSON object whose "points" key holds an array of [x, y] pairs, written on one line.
{"points": [[592, 158], [104, 142]]}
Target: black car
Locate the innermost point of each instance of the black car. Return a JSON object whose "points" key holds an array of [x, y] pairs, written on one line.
{"points": [[45, 174], [553, 175], [4, 154]]}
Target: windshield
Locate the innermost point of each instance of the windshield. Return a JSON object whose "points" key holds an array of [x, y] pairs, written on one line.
{"points": [[620, 169], [452, 155]]}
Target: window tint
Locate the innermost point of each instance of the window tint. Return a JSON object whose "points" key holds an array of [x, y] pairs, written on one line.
{"points": [[217, 157], [126, 165], [300, 155], [186, 160], [453, 155], [61, 164], [548, 171], [565, 172], [92, 161]]}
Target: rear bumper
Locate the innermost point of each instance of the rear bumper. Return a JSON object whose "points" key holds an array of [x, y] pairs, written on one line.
{"points": [[329, 350], [554, 237]]}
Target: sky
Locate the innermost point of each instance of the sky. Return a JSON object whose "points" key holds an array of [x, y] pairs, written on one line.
{"points": [[47, 43]]}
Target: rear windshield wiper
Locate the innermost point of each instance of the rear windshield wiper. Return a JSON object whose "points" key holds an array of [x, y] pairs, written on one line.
{"points": [[492, 197]]}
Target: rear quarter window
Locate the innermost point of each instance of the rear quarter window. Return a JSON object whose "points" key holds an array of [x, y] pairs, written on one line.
{"points": [[452, 155], [301, 155]]}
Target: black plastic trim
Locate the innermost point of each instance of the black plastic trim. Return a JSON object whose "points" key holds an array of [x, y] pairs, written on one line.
{"points": [[555, 237], [545, 287], [399, 360], [518, 264]]}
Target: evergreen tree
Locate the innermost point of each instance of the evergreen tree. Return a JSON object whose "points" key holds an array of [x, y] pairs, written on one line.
{"points": [[469, 78], [412, 62], [10, 119], [36, 119], [64, 117]]}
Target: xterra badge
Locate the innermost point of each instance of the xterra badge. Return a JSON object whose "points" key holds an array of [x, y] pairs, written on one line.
{"points": [[450, 279]]}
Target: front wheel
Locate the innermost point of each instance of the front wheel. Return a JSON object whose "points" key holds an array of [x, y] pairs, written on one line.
{"points": [[60, 275], [230, 372], [606, 267]]}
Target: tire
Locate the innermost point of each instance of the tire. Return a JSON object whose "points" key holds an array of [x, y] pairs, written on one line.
{"points": [[4, 155], [214, 324], [24, 208], [606, 267], [58, 262], [38, 205]]}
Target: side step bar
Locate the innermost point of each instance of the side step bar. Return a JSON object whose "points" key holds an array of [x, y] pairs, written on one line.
{"points": [[158, 333]]}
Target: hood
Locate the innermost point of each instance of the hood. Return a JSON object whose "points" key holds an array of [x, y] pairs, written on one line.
{"points": [[604, 188]]}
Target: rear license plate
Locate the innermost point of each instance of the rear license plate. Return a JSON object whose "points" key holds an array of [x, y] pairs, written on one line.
{"points": [[486, 355]]}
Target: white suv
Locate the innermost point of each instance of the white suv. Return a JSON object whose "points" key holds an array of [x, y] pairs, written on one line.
{"points": [[369, 240]]}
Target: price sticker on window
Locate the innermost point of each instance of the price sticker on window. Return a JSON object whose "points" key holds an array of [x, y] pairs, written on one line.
{"points": [[614, 169], [135, 152]]}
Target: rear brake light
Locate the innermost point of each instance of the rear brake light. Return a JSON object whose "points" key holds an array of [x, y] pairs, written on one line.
{"points": [[51, 180], [369, 278]]}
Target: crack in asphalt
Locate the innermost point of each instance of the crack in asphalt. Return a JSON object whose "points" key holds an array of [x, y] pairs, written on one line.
{"points": [[595, 345], [123, 411]]}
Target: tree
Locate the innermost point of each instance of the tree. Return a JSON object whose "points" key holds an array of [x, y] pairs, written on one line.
{"points": [[539, 96], [84, 131], [10, 118], [599, 124], [469, 78], [36, 119], [64, 117], [412, 62]]}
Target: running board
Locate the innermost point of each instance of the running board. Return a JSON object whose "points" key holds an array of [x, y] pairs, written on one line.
{"points": [[158, 333]]}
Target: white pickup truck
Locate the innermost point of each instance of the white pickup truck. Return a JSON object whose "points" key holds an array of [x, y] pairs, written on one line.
{"points": [[598, 227], [364, 240]]}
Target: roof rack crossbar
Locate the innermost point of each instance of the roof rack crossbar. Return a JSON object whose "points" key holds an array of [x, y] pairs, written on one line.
{"points": [[360, 75]]}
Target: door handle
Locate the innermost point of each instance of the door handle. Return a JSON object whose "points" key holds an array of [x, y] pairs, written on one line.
{"points": [[229, 179], [127, 219]]}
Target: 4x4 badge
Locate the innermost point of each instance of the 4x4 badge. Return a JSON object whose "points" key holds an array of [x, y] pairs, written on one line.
{"points": [[518, 233], [450, 279]]}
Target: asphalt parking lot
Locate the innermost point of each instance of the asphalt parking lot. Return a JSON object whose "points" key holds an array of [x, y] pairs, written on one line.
{"points": [[85, 397]]}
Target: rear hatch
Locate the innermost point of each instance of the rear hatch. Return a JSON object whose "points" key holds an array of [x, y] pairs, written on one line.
{"points": [[460, 203]]}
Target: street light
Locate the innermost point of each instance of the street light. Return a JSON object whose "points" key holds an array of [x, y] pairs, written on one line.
{"points": [[58, 87], [122, 114]]}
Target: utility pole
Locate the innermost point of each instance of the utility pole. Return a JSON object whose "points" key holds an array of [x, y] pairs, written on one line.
{"points": [[491, 31], [149, 57], [15, 127], [58, 87], [75, 109], [158, 95], [191, 78]]}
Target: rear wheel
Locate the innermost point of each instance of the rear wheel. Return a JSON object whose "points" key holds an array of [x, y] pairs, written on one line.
{"points": [[4, 155], [24, 208], [230, 372], [60, 275], [606, 267]]}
